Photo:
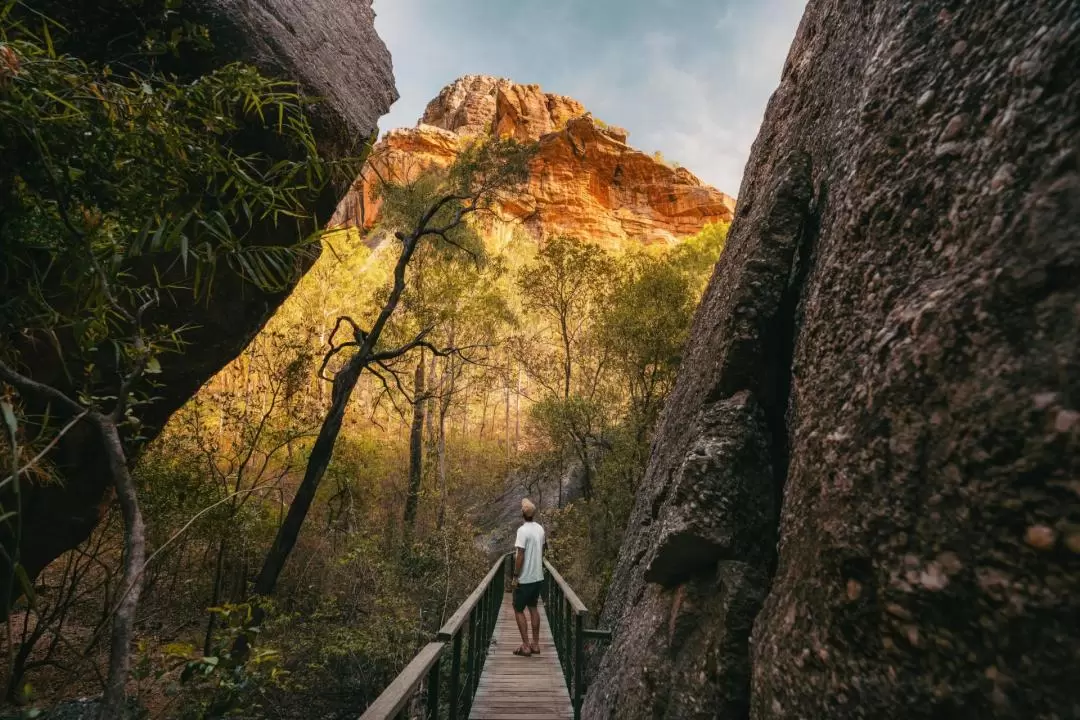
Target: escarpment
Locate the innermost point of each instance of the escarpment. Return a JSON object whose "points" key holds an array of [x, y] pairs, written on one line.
{"points": [[330, 50], [585, 180], [862, 500]]}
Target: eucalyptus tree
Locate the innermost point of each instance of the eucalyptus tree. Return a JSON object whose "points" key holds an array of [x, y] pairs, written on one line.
{"points": [[431, 209]]}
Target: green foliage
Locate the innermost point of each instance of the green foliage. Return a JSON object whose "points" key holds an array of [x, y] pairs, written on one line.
{"points": [[565, 287], [125, 191], [644, 327], [218, 685], [697, 254], [439, 198]]}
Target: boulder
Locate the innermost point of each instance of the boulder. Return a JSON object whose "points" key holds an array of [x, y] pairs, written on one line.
{"points": [[900, 294], [331, 50]]}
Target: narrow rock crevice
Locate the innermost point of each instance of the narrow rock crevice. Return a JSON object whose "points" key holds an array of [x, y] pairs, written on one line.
{"points": [[779, 357]]}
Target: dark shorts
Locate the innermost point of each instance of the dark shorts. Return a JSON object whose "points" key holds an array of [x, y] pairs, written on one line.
{"points": [[527, 595]]}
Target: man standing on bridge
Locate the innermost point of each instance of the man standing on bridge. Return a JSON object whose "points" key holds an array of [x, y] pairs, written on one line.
{"points": [[528, 577]]}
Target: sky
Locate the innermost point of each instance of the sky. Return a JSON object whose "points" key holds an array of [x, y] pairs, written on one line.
{"points": [[689, 78]]}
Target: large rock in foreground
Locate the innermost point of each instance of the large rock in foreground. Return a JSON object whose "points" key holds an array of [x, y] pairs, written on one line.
{"points": [[330, 49], [585, 180], [900, 296]]}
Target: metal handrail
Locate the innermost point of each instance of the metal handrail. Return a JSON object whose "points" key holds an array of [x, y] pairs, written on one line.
{"points": [[466, 636], [566, 616], [467, 631], [394, 698]]}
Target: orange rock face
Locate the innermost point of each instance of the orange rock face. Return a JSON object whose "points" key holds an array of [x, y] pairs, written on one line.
{"points": [[585, 181]]}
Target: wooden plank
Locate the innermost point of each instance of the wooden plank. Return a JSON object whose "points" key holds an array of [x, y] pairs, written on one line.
{"points": [[399, 692], [520, 688]]}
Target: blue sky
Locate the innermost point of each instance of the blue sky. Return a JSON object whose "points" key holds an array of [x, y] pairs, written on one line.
{"points": [[689, 78]]}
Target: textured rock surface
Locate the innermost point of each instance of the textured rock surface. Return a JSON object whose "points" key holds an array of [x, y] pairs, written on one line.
{"points": [[483, 105], [901, 294], [585, 181], [330, 47]]}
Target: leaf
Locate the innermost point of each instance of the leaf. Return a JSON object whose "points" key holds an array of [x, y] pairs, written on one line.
{"points": [[155, 242], [179, 650], [153, 366], [184, 250], [48, 40]]}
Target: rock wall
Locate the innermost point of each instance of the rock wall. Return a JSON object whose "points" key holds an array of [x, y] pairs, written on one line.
{"points": [[585, 180], [331, 49], [862, 500]]}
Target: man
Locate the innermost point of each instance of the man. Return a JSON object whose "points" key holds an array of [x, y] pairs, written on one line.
{"points": [[528, 577]]}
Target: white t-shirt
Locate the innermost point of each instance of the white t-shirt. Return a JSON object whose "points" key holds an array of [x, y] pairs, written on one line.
{"points": [[530, 536]]}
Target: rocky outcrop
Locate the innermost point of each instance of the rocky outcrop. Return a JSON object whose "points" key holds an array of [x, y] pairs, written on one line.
{"points": [[481, 105], [331, 49], [886, 365], [585, 179]]}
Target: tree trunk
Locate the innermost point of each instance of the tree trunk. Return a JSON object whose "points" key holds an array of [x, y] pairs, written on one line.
{"points": [[565, 332], [318, 461], [484, 397], [114, 700], [215, 596], [416, 449], [444, 409], [442, 466]]}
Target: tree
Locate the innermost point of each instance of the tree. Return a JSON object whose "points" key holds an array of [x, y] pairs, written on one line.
{"points": [[432, 208], [416, 446], [644, 326], [565, 286]]}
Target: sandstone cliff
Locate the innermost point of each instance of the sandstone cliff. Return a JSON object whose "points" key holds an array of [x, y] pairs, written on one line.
{"points": [[585, 180], [862, 500], [331, 49]]}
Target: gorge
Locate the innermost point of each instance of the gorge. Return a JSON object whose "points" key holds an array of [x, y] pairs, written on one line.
{"points": [[810, 454]]}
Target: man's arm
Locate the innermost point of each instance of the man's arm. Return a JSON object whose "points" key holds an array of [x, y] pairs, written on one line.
{"points": [[519, 562]]}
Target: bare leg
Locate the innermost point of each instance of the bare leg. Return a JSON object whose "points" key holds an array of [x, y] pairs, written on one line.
{"points": [[535, 616], [523, 628]]}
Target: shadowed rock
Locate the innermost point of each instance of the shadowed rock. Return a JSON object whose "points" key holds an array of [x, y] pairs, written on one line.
{"points": [[330, 48], [907, 316]]}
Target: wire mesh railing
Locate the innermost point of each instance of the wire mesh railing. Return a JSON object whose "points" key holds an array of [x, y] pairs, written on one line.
{"points": [[441, 680], [567, 616]]}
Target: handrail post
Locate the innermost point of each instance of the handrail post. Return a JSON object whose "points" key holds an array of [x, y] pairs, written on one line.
{"points": [[567, 627], [470, 660], [434, 678], [455, 677], [579, 662]]}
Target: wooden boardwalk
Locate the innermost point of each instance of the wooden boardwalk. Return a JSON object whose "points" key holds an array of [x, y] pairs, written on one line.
{"points": [[521, 688]]}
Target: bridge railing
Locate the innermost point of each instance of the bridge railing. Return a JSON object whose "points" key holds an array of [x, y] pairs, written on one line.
{"points": [[567, 617], [441, 680]]}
